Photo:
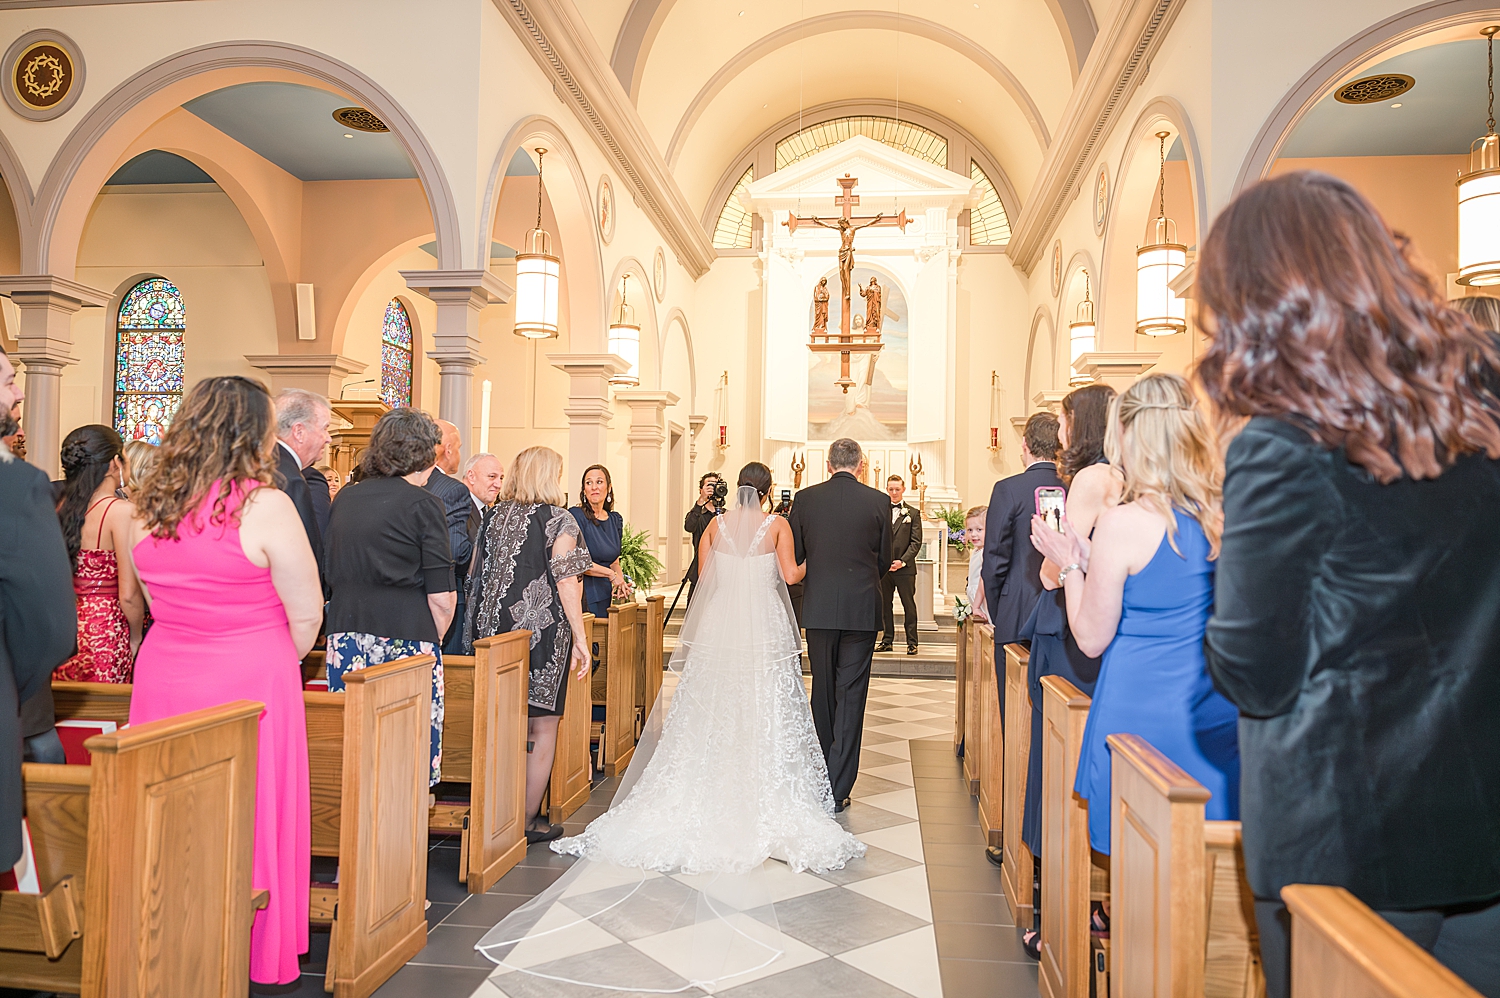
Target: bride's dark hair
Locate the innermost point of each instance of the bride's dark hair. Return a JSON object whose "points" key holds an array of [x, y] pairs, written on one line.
{"points": [[757, 476]]}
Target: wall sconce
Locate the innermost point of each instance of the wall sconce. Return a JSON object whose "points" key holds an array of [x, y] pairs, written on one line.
{"points": [[1479, 198], [721, 411], [1082, 336], [994, 411], [1159, 312]]}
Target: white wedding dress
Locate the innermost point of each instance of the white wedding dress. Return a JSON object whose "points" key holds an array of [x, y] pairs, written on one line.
{"points": [[727, 780]]}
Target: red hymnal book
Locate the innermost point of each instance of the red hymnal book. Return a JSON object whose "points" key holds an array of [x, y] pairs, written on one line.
{"points": [[74, 733]]}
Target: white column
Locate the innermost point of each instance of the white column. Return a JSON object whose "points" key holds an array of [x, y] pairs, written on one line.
{"points": [[648, 437], [44, 343], [588, 409], [459, 295]]}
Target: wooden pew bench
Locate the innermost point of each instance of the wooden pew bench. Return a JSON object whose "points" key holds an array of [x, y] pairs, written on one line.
{"points": [[961, 669], [146, 855], [971, 717], [1016, 869], [614, 686], [369, 758], [573, 765], [1066, 862], [991, 743]]}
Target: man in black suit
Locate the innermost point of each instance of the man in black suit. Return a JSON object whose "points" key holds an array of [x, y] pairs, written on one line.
{"points": [[1012, 567], [842, 530], [38, 617], [696, 523], [302, 420], [458, 505], [321, 495], [482, 476], [906, 541]]}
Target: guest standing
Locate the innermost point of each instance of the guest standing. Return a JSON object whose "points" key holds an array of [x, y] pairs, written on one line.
{"points": [[233, 587], [530, 559], [974, 581], [321, 494], [1012, 567], [1359, 586], [302, 420], [458, 505], [604, 535], [697, 520], [906, 541], [483, 475], [96, 527], [390, 569], [140, 461], [38, 623]]}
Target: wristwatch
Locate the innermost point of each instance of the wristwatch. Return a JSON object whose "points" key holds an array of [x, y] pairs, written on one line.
{"points": [[1062, 576]]}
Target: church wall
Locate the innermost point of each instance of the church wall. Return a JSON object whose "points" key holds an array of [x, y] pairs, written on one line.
{"points": [[994, 324]]}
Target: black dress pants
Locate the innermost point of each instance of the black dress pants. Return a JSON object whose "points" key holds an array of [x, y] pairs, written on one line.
{"points": [[840, 662], [904, 583]]}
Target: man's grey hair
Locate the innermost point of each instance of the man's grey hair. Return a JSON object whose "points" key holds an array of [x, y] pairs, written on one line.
{"points": [[475, 459], [297, 405], [845, 454]]}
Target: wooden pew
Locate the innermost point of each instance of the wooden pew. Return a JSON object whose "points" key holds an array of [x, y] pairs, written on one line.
{"points": [[973, 717], [991, 738], [1064, 969], [368, 756], [1016, 868], [572, 766], [146, 854], [1340, 947], [653, 630], [960, 689], [614, 686], [484, 745], [1182, 919]]}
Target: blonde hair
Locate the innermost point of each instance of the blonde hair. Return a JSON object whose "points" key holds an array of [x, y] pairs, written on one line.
{"points": [[140, 459], [535, 476], [1158, 438], [975, 511]]}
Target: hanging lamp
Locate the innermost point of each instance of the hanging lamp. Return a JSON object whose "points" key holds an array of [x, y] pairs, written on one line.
{"points": [[1159, 312], [1081, 335], [538, 274], [1479, 197], [625, 339]]}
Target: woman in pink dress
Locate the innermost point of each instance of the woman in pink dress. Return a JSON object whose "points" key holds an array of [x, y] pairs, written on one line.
{"points": [[96, 526], [234, 591]]}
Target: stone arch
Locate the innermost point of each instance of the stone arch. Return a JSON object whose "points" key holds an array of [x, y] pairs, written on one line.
{"points": [[677, 318], [1029, 390]]}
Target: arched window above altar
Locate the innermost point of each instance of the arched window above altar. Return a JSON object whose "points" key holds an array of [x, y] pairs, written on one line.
{"points": [[989, 225], [910, 138], [733, 228], [395, 356], [148, 359]]}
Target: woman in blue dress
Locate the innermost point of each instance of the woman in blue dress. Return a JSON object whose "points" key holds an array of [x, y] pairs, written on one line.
{"points": [[604, 533], [1141, 593]]}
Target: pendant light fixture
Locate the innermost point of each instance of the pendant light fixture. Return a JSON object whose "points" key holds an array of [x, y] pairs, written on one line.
{"points": [[538, 274], [1081, 335], [1159, 312], [1479, 197], [625, 339]]}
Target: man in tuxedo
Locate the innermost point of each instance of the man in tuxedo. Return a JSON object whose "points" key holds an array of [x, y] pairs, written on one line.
{"points": [[302, 420], [458, 505], [1012, 567], [482, 476], [842, 530], [906, 541]]}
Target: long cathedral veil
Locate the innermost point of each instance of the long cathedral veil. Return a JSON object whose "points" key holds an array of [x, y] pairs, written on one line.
{"points": [[709, 928]]}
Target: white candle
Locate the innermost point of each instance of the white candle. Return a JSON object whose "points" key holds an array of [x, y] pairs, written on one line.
{"points": [[484, 417]]}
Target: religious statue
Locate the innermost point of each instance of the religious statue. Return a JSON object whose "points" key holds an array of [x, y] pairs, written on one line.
{"points": [[874, 315], [799, 465], [846, 230], [820, 308]]}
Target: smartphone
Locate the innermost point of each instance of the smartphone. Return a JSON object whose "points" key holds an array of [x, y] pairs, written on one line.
{"points": [[1050, 500]]}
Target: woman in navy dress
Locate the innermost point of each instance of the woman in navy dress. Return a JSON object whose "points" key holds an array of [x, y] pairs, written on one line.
{"points": [[604, 533], [1141, 593]]}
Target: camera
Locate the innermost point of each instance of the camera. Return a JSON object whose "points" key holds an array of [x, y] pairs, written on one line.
{"points": [[784, 507], [721, 492]]}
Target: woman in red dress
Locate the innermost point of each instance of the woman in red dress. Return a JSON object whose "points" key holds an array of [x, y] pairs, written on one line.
{"points": [[96, 526]]}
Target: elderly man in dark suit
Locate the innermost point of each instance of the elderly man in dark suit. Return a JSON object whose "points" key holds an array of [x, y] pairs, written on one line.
{"points": [[458, 506], [842, 530], [302, 420], [38, 618]]}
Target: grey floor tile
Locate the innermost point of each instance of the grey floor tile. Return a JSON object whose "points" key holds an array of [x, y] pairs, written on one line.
{"points": [[484, 910], [443, 884], [452, 946], [836, 921], [413, 981], [540, 855], [860, 817], [939, 815], [876, 738], [938, 797], [870, 759], [987, 979], [961, 906], [821, 979], [526, 880], [656, 906], [953, 835], [315, 960], [955, 878], [437, 911], [867, 785], [620, 966], [875, 863], [973, 941], [945, 854]]}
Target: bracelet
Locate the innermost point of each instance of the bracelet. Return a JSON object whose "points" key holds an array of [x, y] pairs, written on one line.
{"points": [[1062, 576]]}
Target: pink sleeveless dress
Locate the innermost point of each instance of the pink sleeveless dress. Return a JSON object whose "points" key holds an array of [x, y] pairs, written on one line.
{"points": [[103, 632], [221, 634]]}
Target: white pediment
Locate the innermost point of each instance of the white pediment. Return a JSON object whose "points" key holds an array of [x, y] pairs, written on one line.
{"points": [[885, 175]]}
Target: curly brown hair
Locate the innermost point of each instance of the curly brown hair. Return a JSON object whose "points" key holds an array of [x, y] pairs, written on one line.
{"points": [[1318, 315], [224, 433]]}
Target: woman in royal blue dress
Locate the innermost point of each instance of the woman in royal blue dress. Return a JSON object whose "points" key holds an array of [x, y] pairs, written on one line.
{"points": [[604, 533], [1141, 593]]}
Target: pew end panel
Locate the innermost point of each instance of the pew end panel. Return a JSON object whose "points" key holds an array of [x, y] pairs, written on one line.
{"points": [[655, 615], [974, 686], [1066, 864], [325, 767], [1231, 960], [380, 921], [617, 741], [991, 742], [458, 718], [497, 801], [1016, 868], [572, 766], [960, 688], [1342, 949]]}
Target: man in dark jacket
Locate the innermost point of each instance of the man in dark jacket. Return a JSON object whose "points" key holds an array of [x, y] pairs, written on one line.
{"points": [[906, 541], [842, 530], [697, 520], [458, 507], [38, 617], [302, 420], [1011, 568]]}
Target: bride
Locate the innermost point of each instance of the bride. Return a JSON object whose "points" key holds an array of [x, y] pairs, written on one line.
{"points": [[736, 775]]}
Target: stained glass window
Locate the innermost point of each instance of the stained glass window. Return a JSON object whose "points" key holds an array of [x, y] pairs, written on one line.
{"points": [[898, 134], [733, 230], [395, 356], [148, 359], [989, 225]]}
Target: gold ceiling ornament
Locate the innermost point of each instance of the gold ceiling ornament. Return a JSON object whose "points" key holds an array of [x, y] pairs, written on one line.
{"points": [[360, 119], [1374, 89], [1479, 197], [1159, 312], [46, 74]]}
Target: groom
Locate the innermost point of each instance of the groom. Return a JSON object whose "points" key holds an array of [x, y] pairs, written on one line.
{"points": [[842, 530]]}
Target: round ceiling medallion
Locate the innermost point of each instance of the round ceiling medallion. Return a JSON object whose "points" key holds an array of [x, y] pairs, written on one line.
{"points": [[1101, 199], [45, 74], [1056, 267], [360, 119], [659, 274], [605, 215], [1374, 89]]}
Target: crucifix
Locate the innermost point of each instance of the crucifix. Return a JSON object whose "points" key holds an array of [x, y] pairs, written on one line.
{"points": [[846, 225]]}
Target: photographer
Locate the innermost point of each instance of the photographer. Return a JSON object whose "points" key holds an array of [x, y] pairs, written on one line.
{"points": [[711, 495]]}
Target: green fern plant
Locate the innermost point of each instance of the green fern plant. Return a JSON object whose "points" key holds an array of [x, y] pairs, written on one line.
{"points": [[954, 517], [637, 562]]}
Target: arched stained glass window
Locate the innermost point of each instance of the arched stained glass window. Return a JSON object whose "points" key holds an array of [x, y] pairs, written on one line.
{"points": [[989, 225], [148, 359], [733, 230], [909, 138], [395, 356]]}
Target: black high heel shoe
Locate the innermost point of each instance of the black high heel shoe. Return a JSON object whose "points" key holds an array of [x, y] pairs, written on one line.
{"points": [[535, 835]]}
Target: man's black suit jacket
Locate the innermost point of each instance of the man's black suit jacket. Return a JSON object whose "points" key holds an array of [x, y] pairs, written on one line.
{"points": [[1012, 567], [842, 530], [458, 506], [321, 495], [38, 622], [906, 537], [289, 478]]}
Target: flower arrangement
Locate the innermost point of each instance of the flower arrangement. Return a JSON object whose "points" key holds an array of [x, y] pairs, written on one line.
{"points": [[954, 517], [638, 564], [961, 610]]}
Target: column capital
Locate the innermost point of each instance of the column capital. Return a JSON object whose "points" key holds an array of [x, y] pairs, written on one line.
{"points": [[1117, 370], [54, 292], [648, 425], [1049, 400], [475, 288], [589, 365], [320, 373], [646, 399]]}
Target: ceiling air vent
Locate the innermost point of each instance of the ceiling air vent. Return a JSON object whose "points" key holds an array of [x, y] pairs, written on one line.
{"points": [[360, 119], [1374, 89]]}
